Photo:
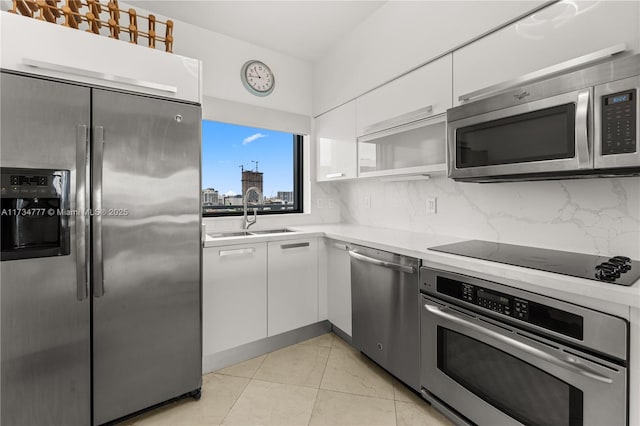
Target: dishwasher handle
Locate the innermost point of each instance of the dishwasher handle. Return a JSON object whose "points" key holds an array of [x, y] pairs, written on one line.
{"points": [[390, 265]]}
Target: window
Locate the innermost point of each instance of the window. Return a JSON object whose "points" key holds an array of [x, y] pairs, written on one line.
{"points": [[235, 158]]}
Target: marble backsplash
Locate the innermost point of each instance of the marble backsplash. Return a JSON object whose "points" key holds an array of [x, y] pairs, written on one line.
{"points": [[596, 216]]}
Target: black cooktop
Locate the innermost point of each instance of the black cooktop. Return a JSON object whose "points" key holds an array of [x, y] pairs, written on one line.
{"points": [[615, 269]]}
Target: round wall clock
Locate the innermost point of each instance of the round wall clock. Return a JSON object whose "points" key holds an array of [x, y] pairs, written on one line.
{"points": [[257, 78]]}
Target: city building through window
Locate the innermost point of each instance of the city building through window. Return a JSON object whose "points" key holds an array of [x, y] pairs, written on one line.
{"points": [[236, 158]]}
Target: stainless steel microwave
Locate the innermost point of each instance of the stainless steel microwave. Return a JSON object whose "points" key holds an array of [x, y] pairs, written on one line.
{"points": [[579, 124]]}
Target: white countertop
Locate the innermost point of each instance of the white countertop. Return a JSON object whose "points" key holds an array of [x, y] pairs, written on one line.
{"points": [[605, 297]]}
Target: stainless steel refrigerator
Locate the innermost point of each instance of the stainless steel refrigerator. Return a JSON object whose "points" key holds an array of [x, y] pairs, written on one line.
{"points": [[100, 309]]}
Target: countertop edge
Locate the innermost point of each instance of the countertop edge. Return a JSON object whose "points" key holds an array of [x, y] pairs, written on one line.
{"points": [[605, 297]]}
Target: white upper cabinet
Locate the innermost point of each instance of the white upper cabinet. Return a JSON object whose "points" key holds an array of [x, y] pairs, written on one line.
{"points": [[336, 143], [426, 90], [401, 126], [55, 51], [555, 34]]}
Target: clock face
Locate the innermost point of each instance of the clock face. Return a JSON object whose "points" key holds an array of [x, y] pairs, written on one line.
{"points": [[257, 78]]}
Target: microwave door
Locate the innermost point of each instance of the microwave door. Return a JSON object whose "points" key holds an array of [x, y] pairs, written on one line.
{"points": [[550, 135]]}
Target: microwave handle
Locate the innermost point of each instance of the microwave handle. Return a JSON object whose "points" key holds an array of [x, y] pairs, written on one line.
{"points": [[568, 363], [544, 73], [582, 129]]}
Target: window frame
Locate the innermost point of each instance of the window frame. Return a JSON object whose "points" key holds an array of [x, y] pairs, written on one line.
{"points": [[298, 183]]}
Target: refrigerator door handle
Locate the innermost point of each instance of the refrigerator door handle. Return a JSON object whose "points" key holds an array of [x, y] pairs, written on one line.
{"points": [[97, 154], [82, 226]]}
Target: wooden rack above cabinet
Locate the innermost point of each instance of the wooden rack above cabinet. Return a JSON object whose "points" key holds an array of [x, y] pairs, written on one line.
{"points": [[88, 15]]}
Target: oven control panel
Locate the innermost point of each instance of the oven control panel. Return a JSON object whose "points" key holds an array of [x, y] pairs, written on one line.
{"points": [[502, 303], [495, 301]]}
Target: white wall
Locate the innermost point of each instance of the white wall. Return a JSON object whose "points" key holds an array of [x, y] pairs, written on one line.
{"points": [[399, 36], [599, 216], [287, 108], [223, 57]]}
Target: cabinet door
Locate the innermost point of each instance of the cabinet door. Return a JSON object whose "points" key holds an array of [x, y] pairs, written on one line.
{"points": [[560, 32], [234, 293], [292, 284], [339, 285], [336, 143], [428, 86]]}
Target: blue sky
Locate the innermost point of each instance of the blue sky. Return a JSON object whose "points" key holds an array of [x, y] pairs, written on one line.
{"points": [[226, 146]]}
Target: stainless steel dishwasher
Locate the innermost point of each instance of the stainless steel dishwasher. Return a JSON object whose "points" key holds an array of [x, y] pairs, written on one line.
{"points": [[386, 315]]}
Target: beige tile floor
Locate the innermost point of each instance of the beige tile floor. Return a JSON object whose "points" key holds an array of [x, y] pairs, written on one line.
{"points": [[321, 381]]}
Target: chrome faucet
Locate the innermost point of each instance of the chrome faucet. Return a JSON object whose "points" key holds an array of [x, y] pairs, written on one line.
{"points": [[248, 222]]}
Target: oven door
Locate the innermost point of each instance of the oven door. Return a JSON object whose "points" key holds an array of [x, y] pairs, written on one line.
{"points": [[494, 374], [550, 135]]}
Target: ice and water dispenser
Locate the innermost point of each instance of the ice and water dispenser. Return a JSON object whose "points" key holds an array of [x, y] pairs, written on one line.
{"points": [[34, 213]]}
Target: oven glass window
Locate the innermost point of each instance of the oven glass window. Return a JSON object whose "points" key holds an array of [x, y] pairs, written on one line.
{"points": [[522, 391], [547, 134]]}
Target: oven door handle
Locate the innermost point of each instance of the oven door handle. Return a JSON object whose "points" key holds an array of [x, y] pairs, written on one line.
{"points": [[569, 363], [390, 265]]}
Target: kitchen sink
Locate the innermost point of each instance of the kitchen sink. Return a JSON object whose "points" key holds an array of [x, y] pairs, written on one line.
{"points": [[229, 234], [270, 231]]}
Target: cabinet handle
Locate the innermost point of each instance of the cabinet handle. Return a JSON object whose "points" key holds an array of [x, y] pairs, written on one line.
{"points": [[544, 73], [410, 125], [334, 175], [236, 252], [340, 246], [399, 120], [294, 245], [99, 75]]}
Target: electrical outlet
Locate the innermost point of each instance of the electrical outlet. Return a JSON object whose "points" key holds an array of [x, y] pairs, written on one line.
{"points": [[432, 204], [332, 204], [320, 203], [367, 201]]}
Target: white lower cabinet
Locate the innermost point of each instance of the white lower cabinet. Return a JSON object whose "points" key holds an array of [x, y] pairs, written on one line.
{"points": [[339, 285], [234, 296], [292, 293]]}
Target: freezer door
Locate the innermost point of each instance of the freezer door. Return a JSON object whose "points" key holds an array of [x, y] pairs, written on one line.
{"points": [[146, 252], [45, 313]]}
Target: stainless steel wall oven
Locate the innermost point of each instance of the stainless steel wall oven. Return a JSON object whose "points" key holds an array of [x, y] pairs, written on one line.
{"points": [[496, 355]]}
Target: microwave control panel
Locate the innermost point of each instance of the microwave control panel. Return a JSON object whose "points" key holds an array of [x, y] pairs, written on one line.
{"points": [[619, 122]]}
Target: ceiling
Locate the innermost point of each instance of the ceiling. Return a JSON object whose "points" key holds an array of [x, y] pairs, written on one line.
{"points": [[303, 29]]}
